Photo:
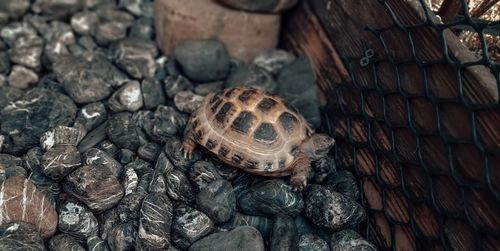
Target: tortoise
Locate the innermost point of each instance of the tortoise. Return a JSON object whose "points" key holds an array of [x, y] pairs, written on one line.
{"points": [[258, 132]]}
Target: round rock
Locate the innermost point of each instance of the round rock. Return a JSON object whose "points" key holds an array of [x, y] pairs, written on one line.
{"points": [[179, 188], [22, 77], [217, 200], [62, 242], [348, 240], [77, 220], [263, 224], [95, 243], [127, 98], [343, 182], [203, 173], [311, 242], [20, 235], [96, 157], [284, 236], [203, 60], [241, 238], [59, 161], [332, 210], [94, 186]]}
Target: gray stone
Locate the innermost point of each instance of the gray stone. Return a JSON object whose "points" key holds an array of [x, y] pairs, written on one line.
{"points": [[252, 76], [149, 151], [348, 240], [95, 243], [285, 235], [155, 222], [175, 155], [137, 57], [57, 8], [176, 84], [263, 224], [189, 225], [122, 237], [59, 161], [4, 63], [9, 94], [62, 135], [241, 238], [14, 9], [27, 51], [22, 77], [323, 168], [127, 98], [84, 23], [273, 60], [96, 157], [142, 28], [311, 242], [130, 180], [63, 242], [128, 209], [12, 171], [10, 32], [77, 220], [203, 60], [109, 148], [203, 173], [206, 88], [217, 200], [179, 188], [153, 94], [92, 115], [158, 183], [107, 221], [93, 137], [109, 32], [122, 132], [343, 182], [187, 101], [20, 234], [167, 123]]}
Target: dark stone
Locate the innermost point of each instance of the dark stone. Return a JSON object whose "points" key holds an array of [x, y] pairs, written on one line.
{"points": [[4, 64], [273, 60], [263, 224], [155, 222], [115, 15], [179, 188], [57, 8], [129, 207], [203, 60], [63, 242], [92, 115], [77, 220], [187, 101], [22, 77], [84, 23], [158, 183], [323, 168], [203, 173], [95, 243], [59, 161], [311, 242], [285, 235], [252, 76], [122, 132], [348, 240], [142, 28], [176, 84], [343, 182], [109, 32], [217, 200], [271, 197], [149, 151], [136, 7], [7, 160], [47, 186], [109, 148], [189, 225], [94, 186], [27, 51], [14, 9], [13, 30], [17, 234], [167, 123], [144, 181], [163, 164], [137, 57], [140, 166], [130, 180], [304, 226], [152, 93], [15, 171], [107, 221], [331, 209], [175, 155], [206, 88], [122, 237], [127, 98], [241, 238], [125, 156], [25, 120], [297, 86], [62, 135], [87, 79], [101, 159], [9, 94], [144, 120], [94, 137]]}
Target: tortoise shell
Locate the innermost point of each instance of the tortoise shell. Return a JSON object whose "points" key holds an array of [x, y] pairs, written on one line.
{"points": [[250, 129]]}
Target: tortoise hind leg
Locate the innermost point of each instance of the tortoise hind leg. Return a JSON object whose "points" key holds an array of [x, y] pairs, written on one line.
{"points": [[188, 143], [301, 168]]}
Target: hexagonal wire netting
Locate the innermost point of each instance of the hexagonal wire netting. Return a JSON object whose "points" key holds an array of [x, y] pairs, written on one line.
{"points": [[433, 182]]}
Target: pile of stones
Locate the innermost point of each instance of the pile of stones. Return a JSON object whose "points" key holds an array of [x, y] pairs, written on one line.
{"points": [[92, 117]]}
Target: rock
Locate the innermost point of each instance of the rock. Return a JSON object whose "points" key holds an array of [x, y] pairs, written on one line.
{"points": [[109, 148], [136, 7], [32, 159], [144, 121], [155, 222], [163, 164], [57, 8], [107, 221], [206, 88], [137, 57], [15, 171], [9, 94], [59, 161], [252, 76], [331, 209], [145, 179], [101, 159], [87, 80], [125, 156], [128, 209], [95, 187], [122, 132], [343, 182], [97, 244], [158, 183], [77, 220], [109, 32], [311, 242], [22, 77], [272, 6], [84, 23], [263, 224], [21, 201], [203, 173], [92, 115], [189, 225], [177, 21], [167, 123], [94, 137], [115, 15], [179, 188], [149, 151], [273, 60], [4, 63], [349, 240], [142, 28], [297, 86], [62, 135], [304, 226], [10, 32], [285, 235], [203, 60], [271, 197], [15, 9], [127, 98], [323, 168], [187, 101], [175, 155], [217, 200], [130, 181], [176, 84], [19, 235], [122, 237], [27, 51], [152, 93], [240, 238]]}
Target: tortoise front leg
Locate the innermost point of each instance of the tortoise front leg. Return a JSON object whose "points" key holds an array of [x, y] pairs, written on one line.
{"points": [[188, 143], [301, 168]]}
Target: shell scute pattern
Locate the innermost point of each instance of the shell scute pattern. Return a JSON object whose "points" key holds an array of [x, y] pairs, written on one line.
{"points": [[251, 129]]}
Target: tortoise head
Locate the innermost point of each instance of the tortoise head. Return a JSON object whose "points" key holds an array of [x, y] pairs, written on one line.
{"points": [[317, 146]]}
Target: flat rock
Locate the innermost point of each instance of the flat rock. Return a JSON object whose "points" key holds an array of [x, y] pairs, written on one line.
{"points": [[77, 220], [27, 51], [63, 242], [174, 84], [271, 197], [59, 161], [332, 210], [63, 135], [129, 180], [128, 209], [348, 240], [268, 6], [178, 20], [189, 225], [167, 122], [23, 202], [155, 222], [240, 238], [109, 32], [311, 242], [217, 200], [203, 173], [94, 186], [149, 151], [19, 234]]}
